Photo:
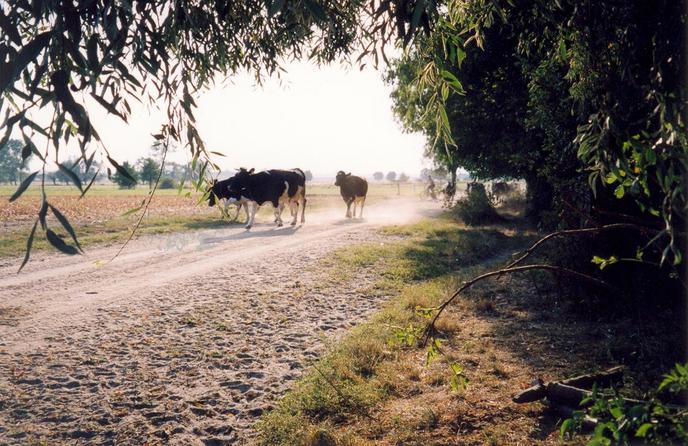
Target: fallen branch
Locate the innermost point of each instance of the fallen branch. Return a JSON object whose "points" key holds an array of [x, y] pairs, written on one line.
{"points": [[553, 268], [568, 393], [607, 378]]}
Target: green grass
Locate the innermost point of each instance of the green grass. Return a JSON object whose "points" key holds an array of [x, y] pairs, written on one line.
{"points": [[363, 369]]}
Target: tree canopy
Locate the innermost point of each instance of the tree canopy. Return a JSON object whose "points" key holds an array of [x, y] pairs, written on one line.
{"points": [[149, 170], [12, 161], [586, 101]]}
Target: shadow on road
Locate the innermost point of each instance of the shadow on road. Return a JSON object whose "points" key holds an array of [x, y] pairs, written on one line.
{"points": [[277, 232], [349, 221]]}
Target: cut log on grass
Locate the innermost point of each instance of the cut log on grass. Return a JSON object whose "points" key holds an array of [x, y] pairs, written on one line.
{"points": [[607, 378], [561, 394], [534, 393]]}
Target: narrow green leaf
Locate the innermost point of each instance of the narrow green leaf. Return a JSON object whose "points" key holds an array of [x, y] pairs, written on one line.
{"points": [[72, 176], [60, 244], [562, 50], [90, 183], [136, 209], [42, 214], [619, 191], [566, 426], [29, 244], [26, 152], [65, 224], [122, 171], [23, 185], [616, 412]]}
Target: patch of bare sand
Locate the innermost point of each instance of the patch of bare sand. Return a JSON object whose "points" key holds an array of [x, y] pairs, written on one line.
{"points": [[182, 340]]}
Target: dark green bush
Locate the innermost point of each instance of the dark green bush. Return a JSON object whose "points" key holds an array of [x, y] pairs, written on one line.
{"points": [[167, 183], [621, 422], [477, 208]]}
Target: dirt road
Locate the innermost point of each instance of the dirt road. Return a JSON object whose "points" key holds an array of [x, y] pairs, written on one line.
{"points": [[182, 339]]}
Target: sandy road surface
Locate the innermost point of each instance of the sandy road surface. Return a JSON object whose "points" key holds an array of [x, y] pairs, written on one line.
{"points": [[183, 339]]}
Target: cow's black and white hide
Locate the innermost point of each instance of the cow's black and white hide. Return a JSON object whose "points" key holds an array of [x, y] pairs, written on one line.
{"points": [[277, 187], [220, 191]]}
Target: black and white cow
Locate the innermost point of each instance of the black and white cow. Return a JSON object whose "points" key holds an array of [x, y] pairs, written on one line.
{"points": [[353, 190], [220, 191], [278, 187]]}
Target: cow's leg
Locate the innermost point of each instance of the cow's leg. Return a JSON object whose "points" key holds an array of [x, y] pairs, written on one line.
{"points": [[355, 204], [303, 208], [300, 201], [252, 215], [245, 206], [294, 206], [360, 215], [278, 212], [348, 208]]}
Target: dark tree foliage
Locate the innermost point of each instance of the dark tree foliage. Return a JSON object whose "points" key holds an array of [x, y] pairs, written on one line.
{"points": [[149, 169], [13, 161], [585, 100], [378, 176]]}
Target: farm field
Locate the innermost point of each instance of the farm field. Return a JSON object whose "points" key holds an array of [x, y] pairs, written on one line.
{"points": [[98, 217]]}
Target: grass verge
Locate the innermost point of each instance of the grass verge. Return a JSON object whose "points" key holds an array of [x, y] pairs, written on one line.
{"points": [[378, 358], [374, 386]]}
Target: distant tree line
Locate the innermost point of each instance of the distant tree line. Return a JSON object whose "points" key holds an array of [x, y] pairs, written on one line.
{"points": [[14, 159]]}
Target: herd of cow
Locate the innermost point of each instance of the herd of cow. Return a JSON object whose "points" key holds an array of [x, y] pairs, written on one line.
{"points": [[281, 188]]}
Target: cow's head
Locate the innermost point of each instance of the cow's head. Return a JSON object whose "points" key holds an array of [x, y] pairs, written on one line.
{"points": [[238, 184], [340, 177]]}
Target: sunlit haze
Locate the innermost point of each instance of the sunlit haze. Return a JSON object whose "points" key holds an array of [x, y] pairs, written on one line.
{"points": [[322, 119]]}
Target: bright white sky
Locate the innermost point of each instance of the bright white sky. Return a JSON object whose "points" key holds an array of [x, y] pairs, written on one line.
{"points": [[321, 119]]}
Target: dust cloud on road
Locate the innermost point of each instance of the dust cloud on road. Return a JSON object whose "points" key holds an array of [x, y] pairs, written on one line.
{"points": [[182, 339]]}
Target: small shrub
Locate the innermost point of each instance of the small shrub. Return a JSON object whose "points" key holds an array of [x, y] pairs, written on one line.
{"points": [[477, 207], [167, 183], [623, 422]]}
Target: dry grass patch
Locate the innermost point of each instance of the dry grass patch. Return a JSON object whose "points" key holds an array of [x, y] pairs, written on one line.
{"points": [[375, 388]]}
